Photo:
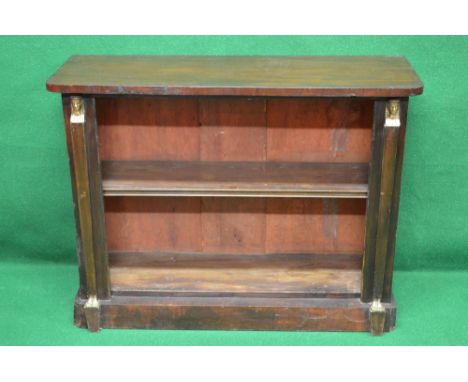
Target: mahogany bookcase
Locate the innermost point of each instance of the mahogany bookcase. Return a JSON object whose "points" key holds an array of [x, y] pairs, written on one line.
{"points": [[236, 192]]}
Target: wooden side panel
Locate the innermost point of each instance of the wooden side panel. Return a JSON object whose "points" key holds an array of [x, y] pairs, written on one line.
{"points": [[148, 128], [71, 156], [390, 148], [387, 292], [96, 199], [375, 171], [384, 192], [319, 130], [87, 193]]}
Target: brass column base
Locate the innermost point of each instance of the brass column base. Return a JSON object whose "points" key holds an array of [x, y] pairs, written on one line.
{"points": [[377, 318], [92, 314]]}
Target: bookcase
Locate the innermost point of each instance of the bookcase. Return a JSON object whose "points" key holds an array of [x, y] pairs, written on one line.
{"points": [[247, 193]]}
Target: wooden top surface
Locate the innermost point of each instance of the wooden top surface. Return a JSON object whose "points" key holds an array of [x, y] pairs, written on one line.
{"points": [[345, 76]]}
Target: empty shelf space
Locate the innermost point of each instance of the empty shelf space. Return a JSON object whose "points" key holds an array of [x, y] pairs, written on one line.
{"points": [[295, 275], [259, 179]]}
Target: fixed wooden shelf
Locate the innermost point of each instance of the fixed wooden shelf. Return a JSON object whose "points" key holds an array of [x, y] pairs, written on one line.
{"points": [[248, 179], [277, 275]]}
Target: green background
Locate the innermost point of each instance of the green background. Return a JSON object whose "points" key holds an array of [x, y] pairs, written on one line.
{"points": [[38, 277]]}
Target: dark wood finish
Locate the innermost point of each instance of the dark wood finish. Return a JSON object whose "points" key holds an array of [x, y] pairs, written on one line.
{"points": [[235, 129], [375, 171], [387, 291], [390, 147], [235, 178], [248, 313], [81, 173], [331, 226], [199, 274], [236, 192], [153, 224], [232, 130], [346, 261], [383, 200], [86, 170], [319, 130], [235, 226], [96, 199], [71, 160], [383, 76], [148, 128]]}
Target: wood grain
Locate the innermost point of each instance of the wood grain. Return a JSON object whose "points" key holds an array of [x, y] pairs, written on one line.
{"points": [[255, 173], [346, 76], [230, 278], [235, 178], [66, 107], [235, 129], [387, 292], [391, 139], [375, 173], [232, 129], [247, 313], [97, 201], [311, 261], [88, 196], [319, 130], [240, 225], [233, 226], [314, 225], [224, 133], [145, 224], [148, 128]]}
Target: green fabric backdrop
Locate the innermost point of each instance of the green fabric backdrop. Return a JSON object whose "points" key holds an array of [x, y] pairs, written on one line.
{"points": [[36, 213]]}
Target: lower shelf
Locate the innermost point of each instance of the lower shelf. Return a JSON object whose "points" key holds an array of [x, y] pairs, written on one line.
{"points": [[281, 275], [235, 313], [299, 292]]}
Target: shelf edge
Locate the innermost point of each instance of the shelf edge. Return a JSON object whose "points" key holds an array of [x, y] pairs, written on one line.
{"points": [[227, 193]]}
